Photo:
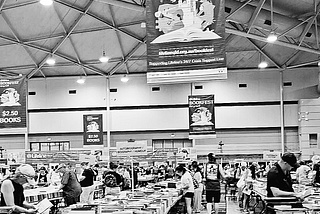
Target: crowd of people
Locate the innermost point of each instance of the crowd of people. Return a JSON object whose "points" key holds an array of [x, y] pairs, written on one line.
{"points": [[194, 180]]}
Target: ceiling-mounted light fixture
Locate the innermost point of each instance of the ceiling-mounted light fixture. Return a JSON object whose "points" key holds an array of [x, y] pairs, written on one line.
{"points": [[81, 80], [263, 64], [51, 60], [125, 78], [46, 2], [272, 37], [104, 57]]}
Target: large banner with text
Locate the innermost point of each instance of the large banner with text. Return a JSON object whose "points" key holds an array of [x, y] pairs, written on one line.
{"points": [[185, 40], [201, 116], [93, 130], [46, 157], [13, 102]]}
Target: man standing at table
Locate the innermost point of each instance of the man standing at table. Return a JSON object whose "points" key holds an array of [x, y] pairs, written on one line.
{"points": [[69, 184], [279, 183]]}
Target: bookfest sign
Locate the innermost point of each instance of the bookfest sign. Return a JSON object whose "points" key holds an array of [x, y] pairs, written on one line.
{"points": [[185, 40], [201, 117], [13, 102]]}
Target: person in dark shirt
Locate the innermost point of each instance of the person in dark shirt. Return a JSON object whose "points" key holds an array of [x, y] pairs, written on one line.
{"points": [[86, 182], [12, 189], [69, 184], [278, 178], [114, 186]]}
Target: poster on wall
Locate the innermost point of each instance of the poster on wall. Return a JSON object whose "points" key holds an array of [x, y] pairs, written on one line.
{"points": [[185, 40], [93, 131], [13, 102], [201, 116]]}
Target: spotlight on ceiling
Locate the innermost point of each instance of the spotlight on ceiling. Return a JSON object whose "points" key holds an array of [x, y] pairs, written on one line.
{"points": [[104, 57], [81, 80], [263, 64], [272, 37], [51, 61], [125, 78], [46, 2]]}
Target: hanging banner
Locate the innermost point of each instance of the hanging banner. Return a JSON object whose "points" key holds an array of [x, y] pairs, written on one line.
{"points": [[185, 40], [13, 102], [201, 116], [271, 156], [71, 156], [93, 131]]}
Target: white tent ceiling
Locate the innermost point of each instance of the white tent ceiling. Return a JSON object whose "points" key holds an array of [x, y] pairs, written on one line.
{"points": [[77, 31]]}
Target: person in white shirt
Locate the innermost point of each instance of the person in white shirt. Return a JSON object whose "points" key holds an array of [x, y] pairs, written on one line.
{"points": [[186, 186], [302, 173], [198, 191]]}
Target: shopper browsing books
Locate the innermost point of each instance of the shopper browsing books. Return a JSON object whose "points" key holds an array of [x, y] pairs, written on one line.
{"points": [[70, 185], [12, 189], [279, 182], [186, 186]]}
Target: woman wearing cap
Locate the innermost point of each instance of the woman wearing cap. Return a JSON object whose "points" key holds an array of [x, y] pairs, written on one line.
{"points": [[186, 186], [12, 190]]}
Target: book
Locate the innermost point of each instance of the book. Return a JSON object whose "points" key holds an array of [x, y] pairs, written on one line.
{"points": [[43, 206], [188, 34]]}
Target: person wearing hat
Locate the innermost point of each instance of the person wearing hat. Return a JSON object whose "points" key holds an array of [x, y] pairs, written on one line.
{"points": [[279, 183], [69, 184], [12, 189], [213, 173]]}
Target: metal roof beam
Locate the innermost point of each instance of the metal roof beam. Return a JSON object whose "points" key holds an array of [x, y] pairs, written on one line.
{"points": [[118, 39], [128, 56], [1, 4], [101, 20], [308, 26], [73, 47], [263, 39], [73, 26], [15, 34], [263, 53], [255, 14], [123, 4]]}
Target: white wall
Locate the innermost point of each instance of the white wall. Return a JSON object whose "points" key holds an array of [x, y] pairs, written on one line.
{"points": [[50, 112]]}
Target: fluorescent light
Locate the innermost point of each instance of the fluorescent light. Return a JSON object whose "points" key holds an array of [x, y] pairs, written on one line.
{"points": [[272, 37], [51, 61], [263, 64], [104, 58], [125, 78], [46, 2], [81, 80]]}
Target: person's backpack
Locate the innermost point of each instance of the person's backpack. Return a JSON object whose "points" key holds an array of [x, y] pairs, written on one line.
{"points": [[110, 180]]}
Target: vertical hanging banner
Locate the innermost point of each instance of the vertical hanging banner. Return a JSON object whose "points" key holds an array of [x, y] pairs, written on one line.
{"points": [[93, 131], [185, 40], [201, 117], [13, 106]]}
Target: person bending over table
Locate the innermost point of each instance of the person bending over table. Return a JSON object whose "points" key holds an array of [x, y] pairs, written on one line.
{"points": [[12, 189], [279, 183]]}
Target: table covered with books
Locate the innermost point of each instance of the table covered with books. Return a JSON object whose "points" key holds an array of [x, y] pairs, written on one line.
{"points": [[285, 205], [145, 200]]}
